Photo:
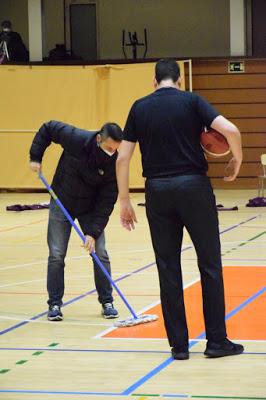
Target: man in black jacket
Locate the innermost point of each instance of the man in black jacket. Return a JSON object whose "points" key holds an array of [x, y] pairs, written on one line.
{"points": [[12, 47], [85, 182]]}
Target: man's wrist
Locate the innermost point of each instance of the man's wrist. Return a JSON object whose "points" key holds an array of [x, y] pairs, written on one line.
{"points": [[124, 199]]}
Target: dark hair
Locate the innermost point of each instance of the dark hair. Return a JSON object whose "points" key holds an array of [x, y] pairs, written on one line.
{"points": [[167, 68], [112, 130], [6, 24]]}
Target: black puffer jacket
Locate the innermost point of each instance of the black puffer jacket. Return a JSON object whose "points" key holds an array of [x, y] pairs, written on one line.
{"points": [[88, 191]]}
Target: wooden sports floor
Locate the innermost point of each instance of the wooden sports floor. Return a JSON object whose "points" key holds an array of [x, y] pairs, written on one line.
{"points": [[84, 357]]}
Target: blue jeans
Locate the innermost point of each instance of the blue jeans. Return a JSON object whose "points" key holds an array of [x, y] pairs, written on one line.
{"points": [[172, 204], [59, 230]]}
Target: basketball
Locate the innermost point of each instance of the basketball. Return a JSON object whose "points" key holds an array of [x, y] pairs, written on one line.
{"points": [[214, 143]]}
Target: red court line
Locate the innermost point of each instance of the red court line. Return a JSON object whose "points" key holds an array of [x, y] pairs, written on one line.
{"points": [[22, 226], [240, 284]]}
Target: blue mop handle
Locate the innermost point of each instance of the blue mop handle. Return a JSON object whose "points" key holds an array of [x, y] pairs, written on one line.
{"points": [[93, 254]]}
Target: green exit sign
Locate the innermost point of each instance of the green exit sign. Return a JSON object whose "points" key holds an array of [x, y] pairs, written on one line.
{"points": [[235, 67]]}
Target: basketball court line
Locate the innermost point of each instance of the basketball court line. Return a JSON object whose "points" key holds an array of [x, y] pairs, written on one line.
{"points": [[131, 389], [117, 280], [142, 396], [2, 268], [61, 350], [71, 301], [169, 360], [12, 228], [142, 311], [248, 281], [154, 371]]}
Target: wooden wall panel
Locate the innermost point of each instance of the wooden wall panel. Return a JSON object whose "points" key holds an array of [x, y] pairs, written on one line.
{"points": [[242, 99], [249, 154], [236, 81], [254, 139], [220, 66], [231, 96], [248, 110], [239, 183]]}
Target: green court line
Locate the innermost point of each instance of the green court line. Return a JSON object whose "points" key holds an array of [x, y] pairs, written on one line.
{"points": [[145, 395], [37, 353], [229, 397], [243, 243], [164, 396], [3, 371]]}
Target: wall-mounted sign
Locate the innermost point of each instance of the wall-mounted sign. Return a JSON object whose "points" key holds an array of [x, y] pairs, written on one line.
{"points": [[236, 67]]}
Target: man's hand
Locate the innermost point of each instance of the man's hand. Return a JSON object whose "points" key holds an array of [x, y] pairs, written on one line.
{"points": [[232, 169], [89, 244], [36, 166], [127, 215]]}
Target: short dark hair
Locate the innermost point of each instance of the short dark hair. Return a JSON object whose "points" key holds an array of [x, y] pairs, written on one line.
{"points": [[112, 130], [167, 68], [7, 24]]}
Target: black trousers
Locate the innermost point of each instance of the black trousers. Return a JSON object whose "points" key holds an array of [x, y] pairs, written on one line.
{"points": [[172, 204]]}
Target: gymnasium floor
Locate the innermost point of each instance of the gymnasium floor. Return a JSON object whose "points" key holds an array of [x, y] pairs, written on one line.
{"points": [[83, 356]]}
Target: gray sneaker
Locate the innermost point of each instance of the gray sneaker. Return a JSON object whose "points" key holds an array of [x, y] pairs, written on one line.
{"points": [[54, 313], [108, 311]]}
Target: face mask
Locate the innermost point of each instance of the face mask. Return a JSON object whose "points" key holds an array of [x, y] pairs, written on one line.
{"points": [[110, 153], [6, 30]]}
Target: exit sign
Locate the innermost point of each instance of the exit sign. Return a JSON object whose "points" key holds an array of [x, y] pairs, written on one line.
{"points": [[235, 67]]}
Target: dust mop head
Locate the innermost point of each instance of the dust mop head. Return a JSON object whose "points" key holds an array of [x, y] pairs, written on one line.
{"points": [[142, 319]]}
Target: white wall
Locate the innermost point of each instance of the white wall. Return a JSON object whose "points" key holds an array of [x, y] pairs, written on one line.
{"points": [[194, 28], [53, 24], [175, 27]]}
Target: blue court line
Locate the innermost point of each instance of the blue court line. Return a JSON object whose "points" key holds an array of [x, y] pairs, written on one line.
{"points": [[73, 300], [148, 376], [59, 392], [169, 360], [106, 350], [237, 309], [20, 324]]}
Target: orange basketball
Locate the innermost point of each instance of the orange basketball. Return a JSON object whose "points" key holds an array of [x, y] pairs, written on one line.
{"points": [[214, 143]]}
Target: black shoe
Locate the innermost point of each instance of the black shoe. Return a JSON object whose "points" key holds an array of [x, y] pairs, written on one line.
{"points": [[180, 354], [108, 311], [54, 313], [222, 349]]}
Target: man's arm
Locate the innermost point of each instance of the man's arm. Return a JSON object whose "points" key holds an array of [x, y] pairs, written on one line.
{"points": [[57, 132], [127, 214], [233, 137]]}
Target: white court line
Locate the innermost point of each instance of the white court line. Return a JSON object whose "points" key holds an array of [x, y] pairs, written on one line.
{"points": [[49, 322], [99, 335], [4, 268], [88, 275], [22, 282]]}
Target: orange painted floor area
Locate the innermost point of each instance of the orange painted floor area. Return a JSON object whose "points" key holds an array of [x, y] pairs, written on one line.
{"points": [[240, 284]]}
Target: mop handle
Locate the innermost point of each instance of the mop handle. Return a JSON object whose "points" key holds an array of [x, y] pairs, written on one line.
{"points": [[93, 254]]}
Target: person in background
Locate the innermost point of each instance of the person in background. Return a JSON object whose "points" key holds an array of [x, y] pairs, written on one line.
{"points": [[11, 44]]}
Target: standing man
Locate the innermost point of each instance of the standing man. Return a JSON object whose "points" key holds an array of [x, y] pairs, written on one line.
{"points": [[167, 124], [85, 182]]}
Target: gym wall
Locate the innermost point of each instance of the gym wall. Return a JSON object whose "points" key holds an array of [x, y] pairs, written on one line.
{"points": [[178, 28], [242, 99], [85, 96]]}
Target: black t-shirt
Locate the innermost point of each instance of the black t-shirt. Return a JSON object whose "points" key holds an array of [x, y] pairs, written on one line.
{"points": [[167, 124]]}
